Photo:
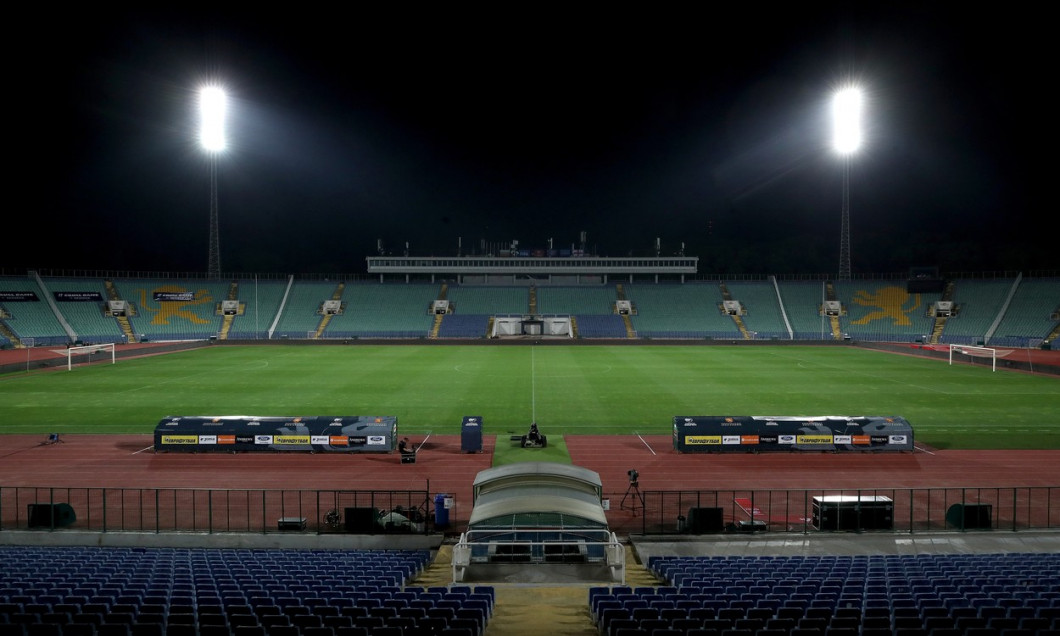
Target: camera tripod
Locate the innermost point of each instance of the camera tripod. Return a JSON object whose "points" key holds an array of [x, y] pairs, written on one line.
{"points": [[634, 490]]}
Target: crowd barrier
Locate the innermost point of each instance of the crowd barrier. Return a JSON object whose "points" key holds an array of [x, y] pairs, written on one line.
{"points": [[642, 512]]}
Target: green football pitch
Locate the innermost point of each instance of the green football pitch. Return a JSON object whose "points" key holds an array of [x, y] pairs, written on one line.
{"points": [[566, 389]]}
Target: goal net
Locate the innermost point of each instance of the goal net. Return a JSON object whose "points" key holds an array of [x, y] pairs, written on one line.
{"points": [[972, 354], [90, 354]]}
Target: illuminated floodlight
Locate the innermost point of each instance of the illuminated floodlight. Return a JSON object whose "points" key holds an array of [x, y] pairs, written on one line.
{"points": [[846, 117], [212, 104]]}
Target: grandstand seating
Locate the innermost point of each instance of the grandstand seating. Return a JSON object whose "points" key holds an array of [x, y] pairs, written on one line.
{"points": [[489, 300], [88, 319], [978, 304], [195, 319], [32, 319], [802, 305], [580, 301], [839, 595], [680, 311], [596, 326], [137, 591], [300, 313], [885, 311], [464, 326], [385, 311], [261, 301], [763, 312], [876, 310], [1027, 320]]}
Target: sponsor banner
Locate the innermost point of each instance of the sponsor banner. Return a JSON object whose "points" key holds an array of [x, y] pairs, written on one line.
{"points": [[173, 296], [730, 440], [897, 439], [376, 440], [843, 439], [861, 440], [338, 440], [878, 439], [786, 439], [749, 439], [813, 439], [180, 439], [290, 440], [78, 296], [18, 296], [226, 439], [703, 439], [357, 440], [207, 439], [768, 439], [263, 439], [320, 440], [244, 439]]}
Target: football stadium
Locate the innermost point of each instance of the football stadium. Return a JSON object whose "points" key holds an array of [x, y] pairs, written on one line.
{"points": [[528, 320], [710, 435]]}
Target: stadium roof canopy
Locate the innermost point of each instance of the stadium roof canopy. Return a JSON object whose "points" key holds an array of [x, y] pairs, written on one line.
{"points": [[537, 494]]}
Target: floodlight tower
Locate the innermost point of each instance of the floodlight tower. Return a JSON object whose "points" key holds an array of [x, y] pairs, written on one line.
{"points": [[846, 139], [212, 103]]}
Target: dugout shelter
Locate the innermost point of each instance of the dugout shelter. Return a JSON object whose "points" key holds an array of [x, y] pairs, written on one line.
{"points": [[537, 513], [238, 433], [761, 433]]}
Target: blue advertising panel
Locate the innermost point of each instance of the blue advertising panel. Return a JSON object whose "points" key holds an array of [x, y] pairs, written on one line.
{"points": [[238, 433], [760, 433]]}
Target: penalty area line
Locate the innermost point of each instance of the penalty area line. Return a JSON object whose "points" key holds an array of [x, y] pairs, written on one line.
{"points": [[645, 443]]}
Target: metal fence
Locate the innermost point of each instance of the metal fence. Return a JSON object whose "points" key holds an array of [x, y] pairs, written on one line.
{"points": [[806, 511], [162, 510]]}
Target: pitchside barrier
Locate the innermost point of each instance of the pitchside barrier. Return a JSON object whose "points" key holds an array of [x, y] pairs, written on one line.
{"points": [[233, 433], [758, 433]]}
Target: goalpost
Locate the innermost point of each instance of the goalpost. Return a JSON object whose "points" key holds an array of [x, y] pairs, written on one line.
{"points": [[88, 354], [975, 352]]}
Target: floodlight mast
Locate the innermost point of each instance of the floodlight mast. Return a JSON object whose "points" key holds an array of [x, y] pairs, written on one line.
{"points": [[212, 106], [846, 118]]}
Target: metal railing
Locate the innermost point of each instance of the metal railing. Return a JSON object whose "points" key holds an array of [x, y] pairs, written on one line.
{"points": [[162, 510], [800, 511]]}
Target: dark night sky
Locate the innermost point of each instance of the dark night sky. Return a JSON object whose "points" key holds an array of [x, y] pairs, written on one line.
{"points": [[532, 122]]}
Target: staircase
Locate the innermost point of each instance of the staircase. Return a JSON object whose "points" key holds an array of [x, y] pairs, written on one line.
{"points": [[630, 332], [442, 293], [226, 324], [736, 318], [326, 318], [940, 321], [574, 327], [489, 328], [537, 608], [10, 335], [123, 321], [833, 321], [533, 300]]}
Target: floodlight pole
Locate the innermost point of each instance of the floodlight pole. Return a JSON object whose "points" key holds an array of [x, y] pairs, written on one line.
{"points": [[846, 116], [211, 135], [213, 268], [844, 229]]}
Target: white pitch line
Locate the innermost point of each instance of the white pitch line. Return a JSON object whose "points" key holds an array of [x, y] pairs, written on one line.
{"points": [[923, 450], [645, 443], [143, 449], [424, 441]]}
